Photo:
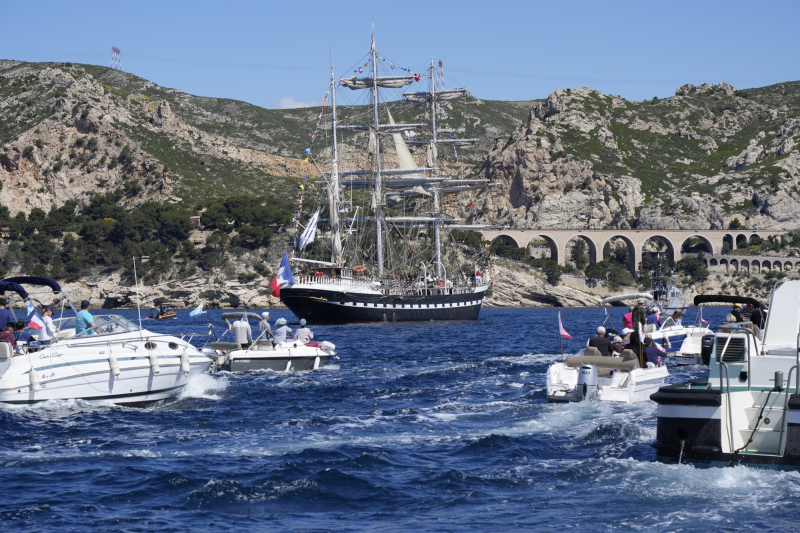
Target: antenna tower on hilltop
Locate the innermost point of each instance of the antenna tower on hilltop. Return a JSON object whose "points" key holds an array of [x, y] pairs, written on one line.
{"points": [[116, 58]]}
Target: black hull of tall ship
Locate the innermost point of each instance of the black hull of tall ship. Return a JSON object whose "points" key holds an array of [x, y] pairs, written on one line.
{"points": [[320, 306]]}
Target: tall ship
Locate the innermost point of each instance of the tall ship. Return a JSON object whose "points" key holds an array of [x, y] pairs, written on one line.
{"points": [[386, 251]]}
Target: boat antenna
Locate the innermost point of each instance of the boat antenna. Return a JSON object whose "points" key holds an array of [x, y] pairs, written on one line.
{"points": [[138, 304]]}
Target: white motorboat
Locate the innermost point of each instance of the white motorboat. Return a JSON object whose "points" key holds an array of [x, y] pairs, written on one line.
{"points": [[684, 341], [696, 347], [115, 360], [262, 354], [592, 377], [748, 409]]}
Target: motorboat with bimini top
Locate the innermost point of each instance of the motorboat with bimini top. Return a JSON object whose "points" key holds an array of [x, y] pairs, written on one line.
{"points": [[262, 353], [115, 360], [594, 377], [748, 408], [696, 348], [669, 335]]}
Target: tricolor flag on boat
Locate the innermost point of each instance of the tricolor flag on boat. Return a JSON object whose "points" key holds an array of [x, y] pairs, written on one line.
{"points": [[561, 327], [35, 321], [284, 276]]}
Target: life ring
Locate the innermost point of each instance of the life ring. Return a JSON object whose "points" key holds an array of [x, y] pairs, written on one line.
{"points": [[359, 268]]}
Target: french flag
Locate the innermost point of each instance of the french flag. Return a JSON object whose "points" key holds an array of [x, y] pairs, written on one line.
{"points": [[36, 321], [284, 276]]}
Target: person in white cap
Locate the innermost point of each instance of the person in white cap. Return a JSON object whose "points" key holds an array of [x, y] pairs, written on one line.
{"points": [[282, 332], [602, 343], [264, 331], [303, 334]]}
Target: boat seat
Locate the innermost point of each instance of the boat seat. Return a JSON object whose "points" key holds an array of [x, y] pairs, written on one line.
{"points": [[603, 363], [264, 346], [629, 355], [6, 351], [225, 346]]}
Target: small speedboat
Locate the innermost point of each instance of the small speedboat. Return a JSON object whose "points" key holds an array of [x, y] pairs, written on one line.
{"points": [[115, 360], [261, 354], [748, 408], [593, 377], [683, 341], [168, 314]]}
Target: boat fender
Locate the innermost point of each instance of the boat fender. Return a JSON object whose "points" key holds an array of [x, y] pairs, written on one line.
{"points": [[316, 362], [113, 364], [34, 380], [154, 363], [185, 363], [325, 345], [587, 382]]}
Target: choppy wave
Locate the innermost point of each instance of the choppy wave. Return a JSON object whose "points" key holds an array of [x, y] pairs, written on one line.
{"points": [[416, 426]]}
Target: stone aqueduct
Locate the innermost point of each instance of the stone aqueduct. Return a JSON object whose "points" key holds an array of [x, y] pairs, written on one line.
{"points": [[595, 240]]}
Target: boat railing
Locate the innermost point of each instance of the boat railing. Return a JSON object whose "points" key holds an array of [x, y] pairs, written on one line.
{"points": [[796, 370], [727, 400]]}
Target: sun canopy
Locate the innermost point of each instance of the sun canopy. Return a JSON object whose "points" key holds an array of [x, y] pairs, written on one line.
{"points": [[726, 299], [634, 296], [13, 287], [237, 315], [35, 280]]}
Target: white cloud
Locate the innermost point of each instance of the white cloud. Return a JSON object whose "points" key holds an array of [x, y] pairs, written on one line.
{"points": [[287, 102]]}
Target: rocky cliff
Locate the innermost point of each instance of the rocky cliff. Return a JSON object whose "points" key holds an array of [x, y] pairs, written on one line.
{"points": [[699, 159]]}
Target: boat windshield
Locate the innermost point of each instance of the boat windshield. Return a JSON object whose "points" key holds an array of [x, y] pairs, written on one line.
{"points": [[108, 325], [668, 323]]}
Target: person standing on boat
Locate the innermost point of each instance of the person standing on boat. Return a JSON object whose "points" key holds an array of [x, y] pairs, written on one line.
{"points": [[84, 319], [49, 330], [757, 318], [5, 315], [283, 332], [627, 319], [676, 317], [303, 334], [264, 331], [653, 317], [639, 315], [241, 331], [601, 342]]}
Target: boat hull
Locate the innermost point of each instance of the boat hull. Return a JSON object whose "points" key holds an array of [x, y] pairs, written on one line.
{"points": [[277, 364], [692, 426], [82, 371], [324, 306]]}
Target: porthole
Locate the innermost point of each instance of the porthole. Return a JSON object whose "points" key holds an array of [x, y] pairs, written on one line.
{"points": [[150, 345], [173, 346]]}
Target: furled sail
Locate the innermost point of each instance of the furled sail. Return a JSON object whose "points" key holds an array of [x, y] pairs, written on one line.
{"points": [[456, 142], [389, 82], [383, 128], [431, 155], [442, 96]]}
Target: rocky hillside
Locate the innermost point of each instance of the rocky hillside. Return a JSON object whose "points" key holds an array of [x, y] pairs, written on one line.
{"points": [[699, 159], [68, 130]]}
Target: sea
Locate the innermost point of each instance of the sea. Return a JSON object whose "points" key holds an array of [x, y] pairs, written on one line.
{"points": [[416, 427]]}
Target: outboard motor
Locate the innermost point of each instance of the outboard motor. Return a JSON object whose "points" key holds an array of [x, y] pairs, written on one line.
{"points": [[706, 347], [587, 382]]}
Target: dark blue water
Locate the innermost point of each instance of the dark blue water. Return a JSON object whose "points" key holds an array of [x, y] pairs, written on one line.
{"points": [[431, 426]]}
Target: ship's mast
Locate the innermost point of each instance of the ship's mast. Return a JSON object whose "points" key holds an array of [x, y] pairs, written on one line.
{"points": [[333, 189], [436, 238], [378, 199]]}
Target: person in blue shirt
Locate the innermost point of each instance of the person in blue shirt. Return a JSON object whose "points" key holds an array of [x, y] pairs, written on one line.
{"points": [[651, 353], [85, 320], [20, 335], [654, 318], [5, 315]]}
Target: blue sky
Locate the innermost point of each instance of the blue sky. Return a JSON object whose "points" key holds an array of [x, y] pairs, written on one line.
{"points": [[274, 54]]}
